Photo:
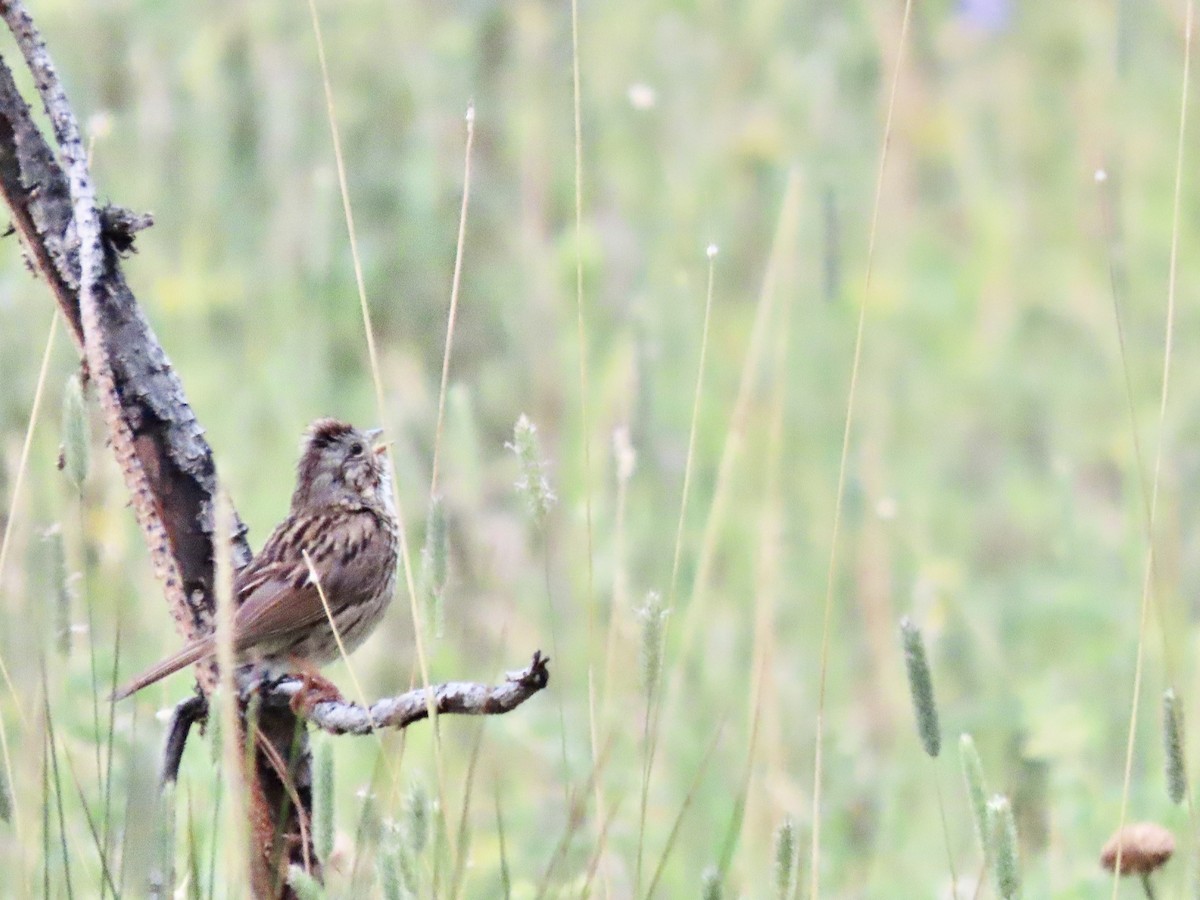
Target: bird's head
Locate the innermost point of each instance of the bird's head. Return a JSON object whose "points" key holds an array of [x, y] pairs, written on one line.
{"points": [[340, 464]]}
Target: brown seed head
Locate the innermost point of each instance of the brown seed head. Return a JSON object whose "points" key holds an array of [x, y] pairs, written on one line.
{"points": [[1144, 847]]}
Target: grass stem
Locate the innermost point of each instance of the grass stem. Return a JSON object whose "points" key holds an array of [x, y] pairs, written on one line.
{"points": [[843, 468]]}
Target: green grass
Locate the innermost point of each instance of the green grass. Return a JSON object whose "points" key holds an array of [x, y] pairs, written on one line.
{"points": [[992, 490]]}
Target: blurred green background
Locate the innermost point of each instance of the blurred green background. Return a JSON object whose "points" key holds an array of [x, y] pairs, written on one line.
{"points": [[993, 492]]}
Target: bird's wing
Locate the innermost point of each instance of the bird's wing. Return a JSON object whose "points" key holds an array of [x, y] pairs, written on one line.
{"points": [[275, 606], [275, 593], [278, 597]]}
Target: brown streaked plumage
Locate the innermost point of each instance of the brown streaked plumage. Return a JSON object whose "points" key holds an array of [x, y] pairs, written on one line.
{"points": [[341, 514]]}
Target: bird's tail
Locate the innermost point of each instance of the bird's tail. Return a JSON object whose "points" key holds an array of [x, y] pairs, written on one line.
{"points": [[191, 653]]}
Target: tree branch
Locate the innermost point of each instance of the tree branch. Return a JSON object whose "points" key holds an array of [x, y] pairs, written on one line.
{"points": [[160, 448], [455, 698], [167, 441], [192, 710], [465, 698]]}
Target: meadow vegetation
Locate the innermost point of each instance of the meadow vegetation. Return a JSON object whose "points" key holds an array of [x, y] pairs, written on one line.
{"points": [[1009, 426]]}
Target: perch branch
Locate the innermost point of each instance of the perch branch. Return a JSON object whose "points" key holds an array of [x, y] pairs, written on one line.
{"points": [[342, 717], [453, 698]]}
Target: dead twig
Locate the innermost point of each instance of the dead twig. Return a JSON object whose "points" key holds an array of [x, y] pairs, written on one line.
{"points": [[453, 698]]}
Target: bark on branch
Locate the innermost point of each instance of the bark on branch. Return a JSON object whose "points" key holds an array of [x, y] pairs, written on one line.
{"points": [[455, 697]]}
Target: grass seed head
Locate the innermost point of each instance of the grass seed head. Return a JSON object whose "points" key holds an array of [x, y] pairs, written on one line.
{"points": [[1004, 842], [416, 826], [785, 855], [624, 453], [654, 617], [391, 875], [5, 799], [76, 450], [1176, 768], [57, 563], [973, 775], [323, 824], [304, 885], [533, 483], [435, 565], [920, 684]]}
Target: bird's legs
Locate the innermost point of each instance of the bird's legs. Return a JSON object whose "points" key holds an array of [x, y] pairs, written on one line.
{"points": [[316, 688]]}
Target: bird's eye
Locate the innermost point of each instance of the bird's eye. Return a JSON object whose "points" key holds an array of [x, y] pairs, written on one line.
{"points": [[356, 449]]}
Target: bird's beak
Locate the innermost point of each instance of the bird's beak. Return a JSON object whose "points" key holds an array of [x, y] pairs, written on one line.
{"points": [[373, 435]]}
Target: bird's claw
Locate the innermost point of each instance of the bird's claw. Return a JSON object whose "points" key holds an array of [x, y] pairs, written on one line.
{"points": [[316, 688]]}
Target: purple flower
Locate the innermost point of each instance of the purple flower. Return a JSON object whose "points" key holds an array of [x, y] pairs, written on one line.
{"points": [[989, 15]]}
